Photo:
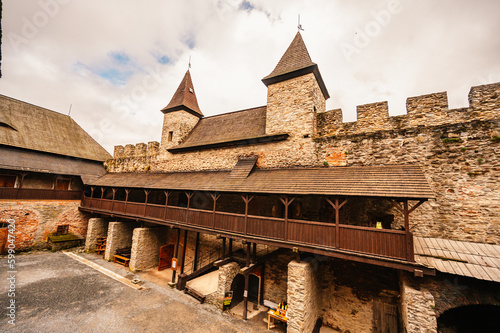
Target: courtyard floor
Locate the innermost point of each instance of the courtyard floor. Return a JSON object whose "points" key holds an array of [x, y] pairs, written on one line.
{"points": [[56, 293]]}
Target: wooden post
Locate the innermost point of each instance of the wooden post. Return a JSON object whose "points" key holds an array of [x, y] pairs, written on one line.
{"points": [[184, 251], [92, 188], [189, 195], [254, 254], [196, 246], [223, 248], [113, 200], [287, 203], [176, 251], [247, 200], [127, 191], [408, 236], [248, 254], [245, 297], [102, 196], [215, 197], [337, 207], [146, 192], [230, 247], [167, 194]]}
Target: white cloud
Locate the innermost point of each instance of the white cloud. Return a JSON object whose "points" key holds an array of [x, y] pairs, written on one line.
{"points": [[58, 53]]}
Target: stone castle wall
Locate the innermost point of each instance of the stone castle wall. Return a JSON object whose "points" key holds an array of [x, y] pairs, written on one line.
{"points": [[456, 149], [37, 219]]}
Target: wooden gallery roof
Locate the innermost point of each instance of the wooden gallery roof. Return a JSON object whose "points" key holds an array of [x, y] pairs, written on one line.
{"points": [[394, 181]]}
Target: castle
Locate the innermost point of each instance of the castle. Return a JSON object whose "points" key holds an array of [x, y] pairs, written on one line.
{"points": [[359, 226]]}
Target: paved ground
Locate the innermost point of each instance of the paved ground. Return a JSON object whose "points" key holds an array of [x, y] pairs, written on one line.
{"points": [[55, 293]]}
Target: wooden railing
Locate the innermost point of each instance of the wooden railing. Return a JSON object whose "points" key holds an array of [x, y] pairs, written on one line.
{"points": [[379, 242], [38, 194]]}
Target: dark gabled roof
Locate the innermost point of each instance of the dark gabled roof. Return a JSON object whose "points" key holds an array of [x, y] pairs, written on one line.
{"points": [[243, 127], [184, 98], [35, 128], [295, 62], [25, 160], [393, 181]]}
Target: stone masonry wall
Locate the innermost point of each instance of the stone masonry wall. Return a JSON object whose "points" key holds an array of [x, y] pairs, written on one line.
{"points": [[349, 290], [146, 243], [302, 298], [180, 123], [456, 149], [97, 227], [36, 219], [276, 277], [226, 276], [417, 306], [119, 237]]}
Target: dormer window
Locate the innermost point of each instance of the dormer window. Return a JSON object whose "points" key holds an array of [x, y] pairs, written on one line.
{"points": [[191, 90]]}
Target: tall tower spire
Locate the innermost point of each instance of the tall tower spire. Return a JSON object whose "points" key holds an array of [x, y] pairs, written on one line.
{"points": [[295, 62], [184, 98]]}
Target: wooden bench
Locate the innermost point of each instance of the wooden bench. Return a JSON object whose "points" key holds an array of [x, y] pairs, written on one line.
{"points": [[121, 260], [200, 297]]}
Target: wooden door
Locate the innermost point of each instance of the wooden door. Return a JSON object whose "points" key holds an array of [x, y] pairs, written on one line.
{"points": [[3, 239], [385, 318], [166, 255]]}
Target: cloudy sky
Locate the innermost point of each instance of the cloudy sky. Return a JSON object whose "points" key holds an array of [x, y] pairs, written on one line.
{"points": [[116, 63]]}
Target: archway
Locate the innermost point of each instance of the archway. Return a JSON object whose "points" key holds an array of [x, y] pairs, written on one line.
{"points": [[470, 319], [238, 288]]}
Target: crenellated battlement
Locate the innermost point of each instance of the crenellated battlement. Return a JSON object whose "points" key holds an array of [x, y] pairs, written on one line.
{"points": [[137, 150], [425, 110]]}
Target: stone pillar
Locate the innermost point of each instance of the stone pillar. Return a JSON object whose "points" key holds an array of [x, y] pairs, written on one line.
{"points": [[302, 297], [146, 243], [97, 227], [119, 236], [226, 276], [417, 306]]}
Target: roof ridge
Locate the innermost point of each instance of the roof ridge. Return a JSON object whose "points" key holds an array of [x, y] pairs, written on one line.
{"points": [[35, 105], [231, 112]]}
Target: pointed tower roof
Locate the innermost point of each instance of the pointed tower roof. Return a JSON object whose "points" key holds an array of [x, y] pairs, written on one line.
{"points": [[295, 62], [184, 98]]}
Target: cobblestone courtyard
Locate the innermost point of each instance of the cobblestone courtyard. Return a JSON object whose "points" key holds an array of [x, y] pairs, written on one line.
{"points": [[55, 293]]}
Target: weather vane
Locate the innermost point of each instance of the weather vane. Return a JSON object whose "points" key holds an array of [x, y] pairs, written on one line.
{"points": [[189, 65], [299, 26]]}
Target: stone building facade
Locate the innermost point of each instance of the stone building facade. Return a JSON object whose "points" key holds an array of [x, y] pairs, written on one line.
{"points": [[456, 149], [45, 159]]}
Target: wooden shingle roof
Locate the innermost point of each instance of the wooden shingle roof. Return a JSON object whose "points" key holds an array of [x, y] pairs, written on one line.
{"points": [[244, 126], [394, 181], [476, 260], [184, 98], [28, 126]]}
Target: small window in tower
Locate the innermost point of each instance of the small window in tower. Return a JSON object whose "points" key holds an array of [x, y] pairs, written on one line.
{"points": [[191, 90], [170, 136]]}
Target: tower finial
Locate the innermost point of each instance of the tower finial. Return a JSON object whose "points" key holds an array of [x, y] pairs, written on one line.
{"points": [[189, 64], [299, 26]]}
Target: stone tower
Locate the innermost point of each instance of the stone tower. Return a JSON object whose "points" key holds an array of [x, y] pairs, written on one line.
{"points": [[296, 93], [181, 114]]}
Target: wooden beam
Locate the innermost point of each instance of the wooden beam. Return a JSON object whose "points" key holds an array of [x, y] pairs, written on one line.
{"points": [[247, 200], [176, 252], [196, 246], [245, 298], [167, 195], [184, 251], [287, 201]]}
